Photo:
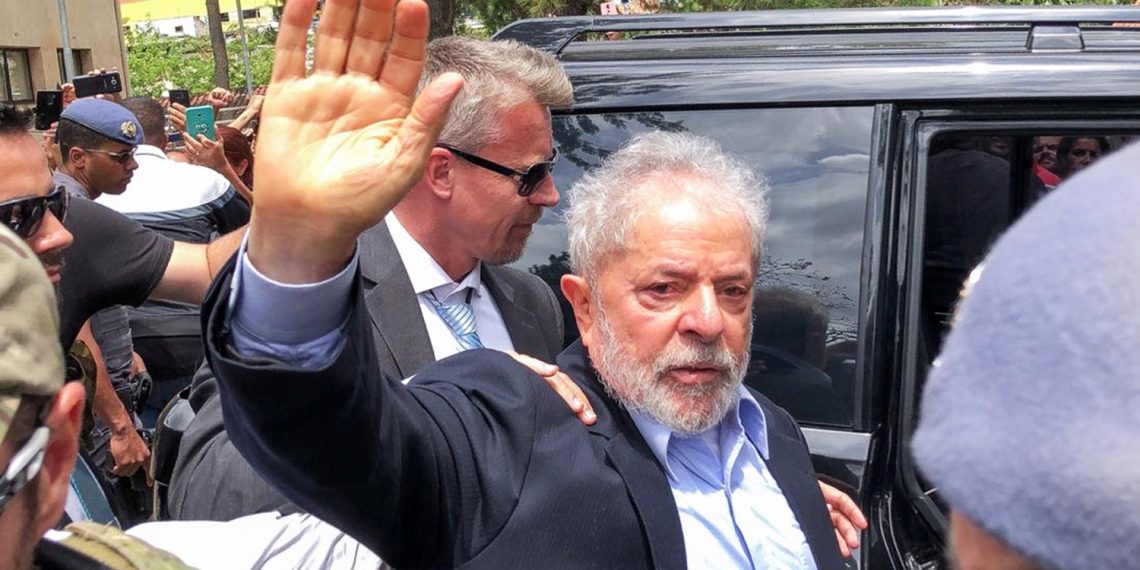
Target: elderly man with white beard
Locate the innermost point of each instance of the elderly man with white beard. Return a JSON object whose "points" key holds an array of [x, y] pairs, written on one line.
{"points": [[477, 463]]}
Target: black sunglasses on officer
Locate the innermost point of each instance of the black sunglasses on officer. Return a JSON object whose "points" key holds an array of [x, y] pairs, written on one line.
{"points": [[24, 215], [528, 179]]}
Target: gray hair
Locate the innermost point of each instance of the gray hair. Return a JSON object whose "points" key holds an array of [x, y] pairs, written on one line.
{"points": [[498, 75], [605, 202]]}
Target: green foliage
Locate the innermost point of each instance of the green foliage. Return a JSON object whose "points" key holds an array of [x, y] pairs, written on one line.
{"points": [[156, 63], [495, 14]]}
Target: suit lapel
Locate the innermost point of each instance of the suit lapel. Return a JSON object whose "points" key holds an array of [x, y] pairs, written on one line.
{"points": [[522, 325], [652, 498], [635, 463], [804, 497], [392, 304]]}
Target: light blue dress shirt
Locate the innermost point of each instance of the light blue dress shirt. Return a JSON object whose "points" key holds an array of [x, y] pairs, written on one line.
{"points": [[300, 325], [733, 514]]}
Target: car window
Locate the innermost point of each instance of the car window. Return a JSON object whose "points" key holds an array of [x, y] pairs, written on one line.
{"points": [[976, 186], [805, 316]]}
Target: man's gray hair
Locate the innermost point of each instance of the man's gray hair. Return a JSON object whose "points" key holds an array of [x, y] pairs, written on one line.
{"points": [[498, 75], [605, 202]]}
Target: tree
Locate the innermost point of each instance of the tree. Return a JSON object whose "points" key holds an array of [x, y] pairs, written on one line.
{"points": [[218, 44], [442, 18], [157, 63]]}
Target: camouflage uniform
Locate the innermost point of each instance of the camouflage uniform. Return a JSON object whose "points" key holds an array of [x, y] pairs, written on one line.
{"points": [[31, 372]]}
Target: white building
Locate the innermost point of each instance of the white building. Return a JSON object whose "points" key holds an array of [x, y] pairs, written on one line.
{"points": [[180, 26]]}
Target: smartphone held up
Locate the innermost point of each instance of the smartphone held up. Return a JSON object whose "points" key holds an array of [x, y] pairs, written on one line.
{"points": [[100, 84], [49, 106], [200, 121]]}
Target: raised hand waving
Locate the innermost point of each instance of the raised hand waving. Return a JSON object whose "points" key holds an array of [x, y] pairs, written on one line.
{"points": [[340, 146]]}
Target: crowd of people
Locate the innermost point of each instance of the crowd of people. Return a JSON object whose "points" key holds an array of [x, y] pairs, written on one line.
{"points": [[342, 372]]}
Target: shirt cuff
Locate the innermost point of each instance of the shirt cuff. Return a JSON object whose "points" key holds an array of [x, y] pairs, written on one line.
{"points": [[282, 313]]}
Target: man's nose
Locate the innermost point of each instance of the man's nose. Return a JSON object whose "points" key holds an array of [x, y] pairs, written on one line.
{"points": [[546, 195], [703, 316], [51, 236]]}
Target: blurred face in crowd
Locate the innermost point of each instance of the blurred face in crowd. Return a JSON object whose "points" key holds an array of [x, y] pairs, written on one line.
{"points": [[25, 174], [668, 320], [1083, 154], [998, 146], [1045, 152], [489, 217], [975, 549], [107, 168]]}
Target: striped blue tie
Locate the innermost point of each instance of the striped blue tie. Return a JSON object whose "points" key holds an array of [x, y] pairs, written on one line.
{"points": [[459, 318]]}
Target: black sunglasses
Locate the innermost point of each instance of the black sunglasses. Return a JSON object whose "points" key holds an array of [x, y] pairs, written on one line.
{"points": [[24, 215], [529, 179]]}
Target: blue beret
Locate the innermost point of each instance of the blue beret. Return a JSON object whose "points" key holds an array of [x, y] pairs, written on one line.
{"points": [[106, 118], [1030, 419]]}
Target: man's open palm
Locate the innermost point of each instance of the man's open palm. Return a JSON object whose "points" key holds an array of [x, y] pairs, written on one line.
{"points": [[339, 147]]}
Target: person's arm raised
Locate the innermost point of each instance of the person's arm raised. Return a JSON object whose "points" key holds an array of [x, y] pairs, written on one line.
{"points": [[339, 147]]}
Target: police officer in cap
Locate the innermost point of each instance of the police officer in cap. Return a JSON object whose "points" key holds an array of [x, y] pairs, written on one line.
{"points": [[97, 140]]}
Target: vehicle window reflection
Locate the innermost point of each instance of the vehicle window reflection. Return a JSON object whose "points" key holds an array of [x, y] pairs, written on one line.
{"points": [[806, 312]]}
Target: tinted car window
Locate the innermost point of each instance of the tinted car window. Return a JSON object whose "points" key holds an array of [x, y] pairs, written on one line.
{"points": [[976, 185], [805, 317]]}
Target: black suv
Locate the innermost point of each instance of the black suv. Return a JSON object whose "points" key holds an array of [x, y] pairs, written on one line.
{"points": [[899, 143]]}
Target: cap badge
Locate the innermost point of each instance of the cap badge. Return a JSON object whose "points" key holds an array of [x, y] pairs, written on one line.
{"points": [[128, 129]]}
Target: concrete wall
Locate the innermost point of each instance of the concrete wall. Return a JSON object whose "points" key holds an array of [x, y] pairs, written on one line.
{"points": [[34, 25]]}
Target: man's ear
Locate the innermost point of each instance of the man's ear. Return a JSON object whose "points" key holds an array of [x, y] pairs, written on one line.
{"points": [[76, 157], [439, 173], [59, 459], [578, 292], [242, 167]]}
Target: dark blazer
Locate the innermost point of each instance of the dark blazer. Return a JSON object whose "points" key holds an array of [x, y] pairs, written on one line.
{"points": [[476, 463], [211, 481]]}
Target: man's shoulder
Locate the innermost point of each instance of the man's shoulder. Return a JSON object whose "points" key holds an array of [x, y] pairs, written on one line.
{"points": [[93, 545], [519, 280], [207, 181], [484, 374], [86, 215]]}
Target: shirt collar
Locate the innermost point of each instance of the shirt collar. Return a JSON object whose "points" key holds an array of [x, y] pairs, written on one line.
{"points": [[71, 185], [746, 415], [149, 150], [423, 271]]}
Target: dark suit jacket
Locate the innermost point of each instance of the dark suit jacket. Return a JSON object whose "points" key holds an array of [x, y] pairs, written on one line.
{"points": [[211, 480], [476, 463]]}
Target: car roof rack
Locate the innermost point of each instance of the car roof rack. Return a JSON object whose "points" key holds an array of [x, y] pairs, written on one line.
{"points": [[1060, 25]]}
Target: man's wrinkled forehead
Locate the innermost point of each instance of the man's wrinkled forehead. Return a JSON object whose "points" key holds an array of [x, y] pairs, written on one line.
{"points": [[23, 167]]}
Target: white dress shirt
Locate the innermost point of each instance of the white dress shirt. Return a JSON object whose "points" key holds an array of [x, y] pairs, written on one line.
{"points": [[428, 277], [161, 185]]}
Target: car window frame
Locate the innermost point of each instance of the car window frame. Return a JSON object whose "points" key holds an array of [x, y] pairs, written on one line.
{"points": [[922, 126]]}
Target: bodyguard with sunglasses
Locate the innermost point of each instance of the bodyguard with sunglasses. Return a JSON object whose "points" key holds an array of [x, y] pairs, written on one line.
{"points": [[471, 212]]}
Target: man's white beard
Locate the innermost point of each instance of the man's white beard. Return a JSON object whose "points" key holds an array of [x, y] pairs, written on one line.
{"points": [[685, 409]]}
